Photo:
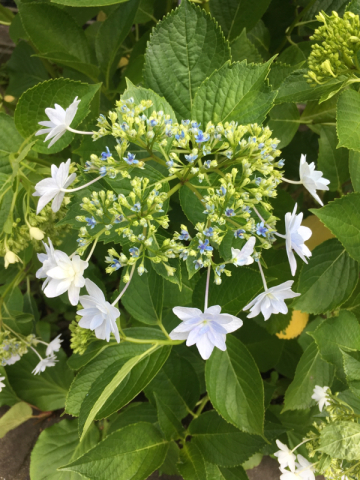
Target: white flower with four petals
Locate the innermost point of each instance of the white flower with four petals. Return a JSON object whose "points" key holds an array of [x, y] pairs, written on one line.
{"points": [[321, 397], [243, 256], [312, 179], [296, 235], [43, 364]]}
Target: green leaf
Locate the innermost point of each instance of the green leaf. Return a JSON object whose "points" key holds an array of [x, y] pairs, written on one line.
{"points": [[342, 217], [7, 394], [46, 94], [295, 88], [111, 34], [222, 443], [284, 122], [348, 119], [88, 3], [10, 139], [327, 5], [235, 387], [335, 335], [311, 370], [120, 383], [341, 440], [317, 113], [18, 414], [25, 70], [59, 35], [352, 372], [234, 92], [147, 306], [195, 48], [93, 372], [133, 452], [177, 385], [279, 72], [46, 391], [135, 412], [58, 445], [234, 15], [169, 423], [354, 6], [191, 465], [214, 472], [234, 292], [243, 49], [191, 205], [332, 161], [328, 280], [354, 167]]}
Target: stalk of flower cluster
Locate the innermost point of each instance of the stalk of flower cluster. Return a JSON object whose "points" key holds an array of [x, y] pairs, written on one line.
{"points": [[207, 288], [295, 182], [126, 286], [71, 190], [79, 131], [262, 276]]}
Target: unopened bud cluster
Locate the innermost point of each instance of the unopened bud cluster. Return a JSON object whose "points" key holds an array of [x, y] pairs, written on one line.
{"points": [[335, 52]]}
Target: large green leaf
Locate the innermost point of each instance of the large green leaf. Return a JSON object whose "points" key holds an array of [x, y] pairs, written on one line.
{"points": [[312, 370], [46, 94], [222, 443], [234, 92], [335, 335], [7, 394], [341, 440], [59, 36], [342, 217], [133, 452], [234, 15], [195, 48], [10, 139], [15, 416], [192, 465], [243, 49], [58, 445], [352, 372], [348, 119], [328, 280], [93, 370], [284, 122], [144, 297], [46, 391], [135, 412], [120, 383], [111, 35], [332, 161], [235, 387], [234, 292], [354, 168]]}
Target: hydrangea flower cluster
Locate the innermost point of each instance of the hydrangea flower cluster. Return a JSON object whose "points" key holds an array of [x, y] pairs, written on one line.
{"points": [[335, 52], [295, 467], [240, 171]]}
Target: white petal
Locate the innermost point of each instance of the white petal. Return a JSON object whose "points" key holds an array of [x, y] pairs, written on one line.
{"points": [[205, 347], [186, 313]]}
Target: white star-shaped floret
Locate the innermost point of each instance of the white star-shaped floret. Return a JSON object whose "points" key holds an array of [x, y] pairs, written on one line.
{"points": [[52, 188], [48, 261], [305, 469], [98, 314], [66, 276], [296, 235], [285, 456], [321, 397], [54, 346], [312, 179], [243, 256], [43, 364], [59, 121], [2, 385], [271, 301], [207, 330]]}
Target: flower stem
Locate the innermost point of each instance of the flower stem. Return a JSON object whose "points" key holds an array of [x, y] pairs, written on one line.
{"points": [[79, 131], [126, 286], [291, 181], [207, 288], [262, 276], [92, 249], [71, 190]]}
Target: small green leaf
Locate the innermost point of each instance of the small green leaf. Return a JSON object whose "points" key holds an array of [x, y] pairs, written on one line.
{"points": [[348, 119], [284, 122], [222, 443], [147, 306], [332, 161], [133, 452], [195, 48], [243, 49], [234, 15], [342, 217], [120, 383], [235, 387], [234, 92], [46, 94], [341, 440], [328, 280], [311, 370], [18, 414], [58, 445], [335, 335]]}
